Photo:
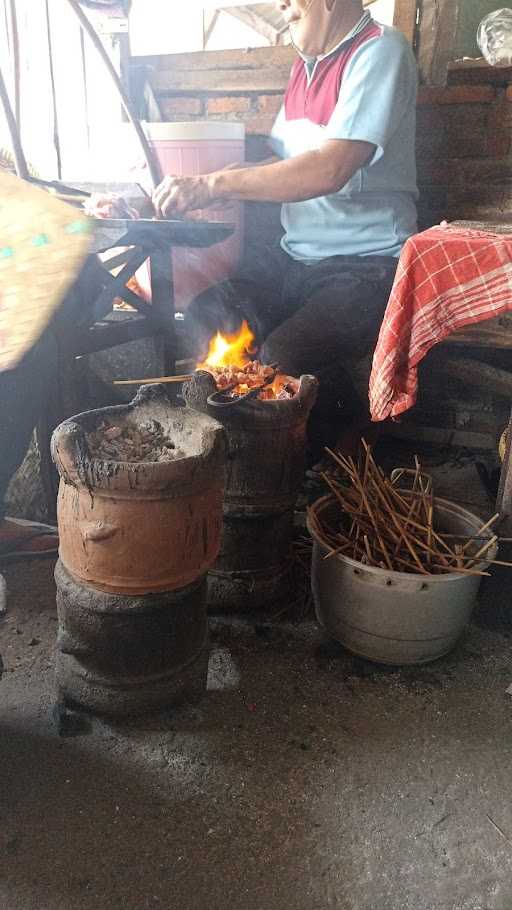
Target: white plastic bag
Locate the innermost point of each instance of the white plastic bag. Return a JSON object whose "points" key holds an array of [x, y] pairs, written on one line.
{"points": [[494, 37]]}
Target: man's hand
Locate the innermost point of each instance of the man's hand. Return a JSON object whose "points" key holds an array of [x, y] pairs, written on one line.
{"points": [[320, 172], [178, 195]]}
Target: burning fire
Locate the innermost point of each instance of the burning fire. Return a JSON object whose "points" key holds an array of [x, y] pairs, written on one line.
{"points": [[230, 350], [236, 373]]}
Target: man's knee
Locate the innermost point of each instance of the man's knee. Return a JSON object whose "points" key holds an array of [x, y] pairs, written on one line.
{"points": [[278, 348]]}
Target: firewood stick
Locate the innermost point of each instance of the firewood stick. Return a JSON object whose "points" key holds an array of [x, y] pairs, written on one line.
{"points": [[500, 562], [337, 550], [369, 553], [373, 520], [430, 516], [435, 536], [492, 562], [423, 545], [472, 537], [407, 564], [385, 517], [483, 550], [402, 533], [444, 570], [398, 537], [408, 544], [334, 489], [406, 520], [484, 527]]}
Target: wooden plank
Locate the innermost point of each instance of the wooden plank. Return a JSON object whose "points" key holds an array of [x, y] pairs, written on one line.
{"points": [[469, 72], [268, 79], [439, 436], [252, 59], [405, 18], [470, 372], [502, 341]]}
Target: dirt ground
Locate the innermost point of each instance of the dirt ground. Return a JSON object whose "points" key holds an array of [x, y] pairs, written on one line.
{"points": [[306, 779]]}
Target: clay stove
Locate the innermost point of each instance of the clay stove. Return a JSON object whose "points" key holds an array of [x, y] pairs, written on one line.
{"points": [[140, 515], [266, 436]]}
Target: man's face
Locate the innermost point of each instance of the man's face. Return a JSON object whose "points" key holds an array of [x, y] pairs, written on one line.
{"points": [[293, 10]]}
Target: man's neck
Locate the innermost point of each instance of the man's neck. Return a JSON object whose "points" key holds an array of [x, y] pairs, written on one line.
{"points": [[350, 16], [344, 17]]}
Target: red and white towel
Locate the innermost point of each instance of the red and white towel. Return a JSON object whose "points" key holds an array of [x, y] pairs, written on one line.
{"points": [[447, 278]]}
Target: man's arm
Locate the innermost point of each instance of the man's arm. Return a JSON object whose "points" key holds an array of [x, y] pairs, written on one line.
{"points": [[242, 166], [317, 173]]}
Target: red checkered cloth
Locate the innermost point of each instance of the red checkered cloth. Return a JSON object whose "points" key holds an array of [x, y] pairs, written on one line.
{"points": [[447, 278]]}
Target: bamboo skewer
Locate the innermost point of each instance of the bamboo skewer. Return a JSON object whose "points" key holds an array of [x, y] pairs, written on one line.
{"points": [[392, 528], [165, 379]]}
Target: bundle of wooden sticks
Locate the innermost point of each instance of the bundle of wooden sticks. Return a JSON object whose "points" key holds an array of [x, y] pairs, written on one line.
{"points": [[384, 525]]}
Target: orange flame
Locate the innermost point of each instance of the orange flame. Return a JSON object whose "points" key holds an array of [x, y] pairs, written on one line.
{"points": [[229, 350]]}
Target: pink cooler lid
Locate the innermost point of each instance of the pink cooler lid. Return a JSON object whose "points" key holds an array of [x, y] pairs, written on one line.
{"points": [[195, 131]]}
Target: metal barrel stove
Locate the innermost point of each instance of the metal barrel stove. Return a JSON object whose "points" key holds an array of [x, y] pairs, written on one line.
{"points": [[265, 463], [136, 541]]}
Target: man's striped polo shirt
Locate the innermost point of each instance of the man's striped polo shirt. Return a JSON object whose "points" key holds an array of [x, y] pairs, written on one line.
{"points": [[365, 89]]}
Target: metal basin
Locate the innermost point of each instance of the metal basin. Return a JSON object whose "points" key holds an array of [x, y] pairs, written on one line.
{"points": [[394, 617]]}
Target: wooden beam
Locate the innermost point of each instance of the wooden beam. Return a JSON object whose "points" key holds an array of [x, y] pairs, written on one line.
{"points": [[251, 59], [210, 20], [270, 79], [436, 36], [473, 373], [477, 337]]}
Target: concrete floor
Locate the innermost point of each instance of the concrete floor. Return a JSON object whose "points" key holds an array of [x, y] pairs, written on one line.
{"points": [[306, 779]]}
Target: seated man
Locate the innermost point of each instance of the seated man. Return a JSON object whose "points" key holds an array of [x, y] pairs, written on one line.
{"points": [[346, 177]]}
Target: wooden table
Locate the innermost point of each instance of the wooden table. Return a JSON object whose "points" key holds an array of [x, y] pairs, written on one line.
{"points": [[493, 334]]}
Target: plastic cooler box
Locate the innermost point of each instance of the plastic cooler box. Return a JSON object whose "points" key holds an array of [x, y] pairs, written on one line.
{"points": [[199, 148]]}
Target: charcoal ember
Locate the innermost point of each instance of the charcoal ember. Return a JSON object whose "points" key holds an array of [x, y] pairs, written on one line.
{"points": [[127, 442], [286, 392], [239, 380]]}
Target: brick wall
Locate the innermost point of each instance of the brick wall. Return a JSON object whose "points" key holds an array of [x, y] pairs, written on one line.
{"points": [[463, 136], [464, 150]]}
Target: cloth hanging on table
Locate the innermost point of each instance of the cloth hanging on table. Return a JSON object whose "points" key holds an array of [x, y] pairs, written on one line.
{"points": [[447, 278]]}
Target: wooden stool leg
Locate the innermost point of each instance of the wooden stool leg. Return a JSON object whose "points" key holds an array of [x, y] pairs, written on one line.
{"points": [[162, 300]]}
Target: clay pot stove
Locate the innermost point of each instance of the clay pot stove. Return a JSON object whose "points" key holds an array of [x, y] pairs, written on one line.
{"points": [[266, 441], [140, 519]]}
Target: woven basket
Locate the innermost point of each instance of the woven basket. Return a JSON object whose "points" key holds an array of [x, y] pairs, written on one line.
{"points": [[43, 243]]}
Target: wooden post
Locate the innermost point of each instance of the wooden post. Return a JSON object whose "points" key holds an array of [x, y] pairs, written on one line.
{"points": [[405, 18], [437, 31], [504, 501]]}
